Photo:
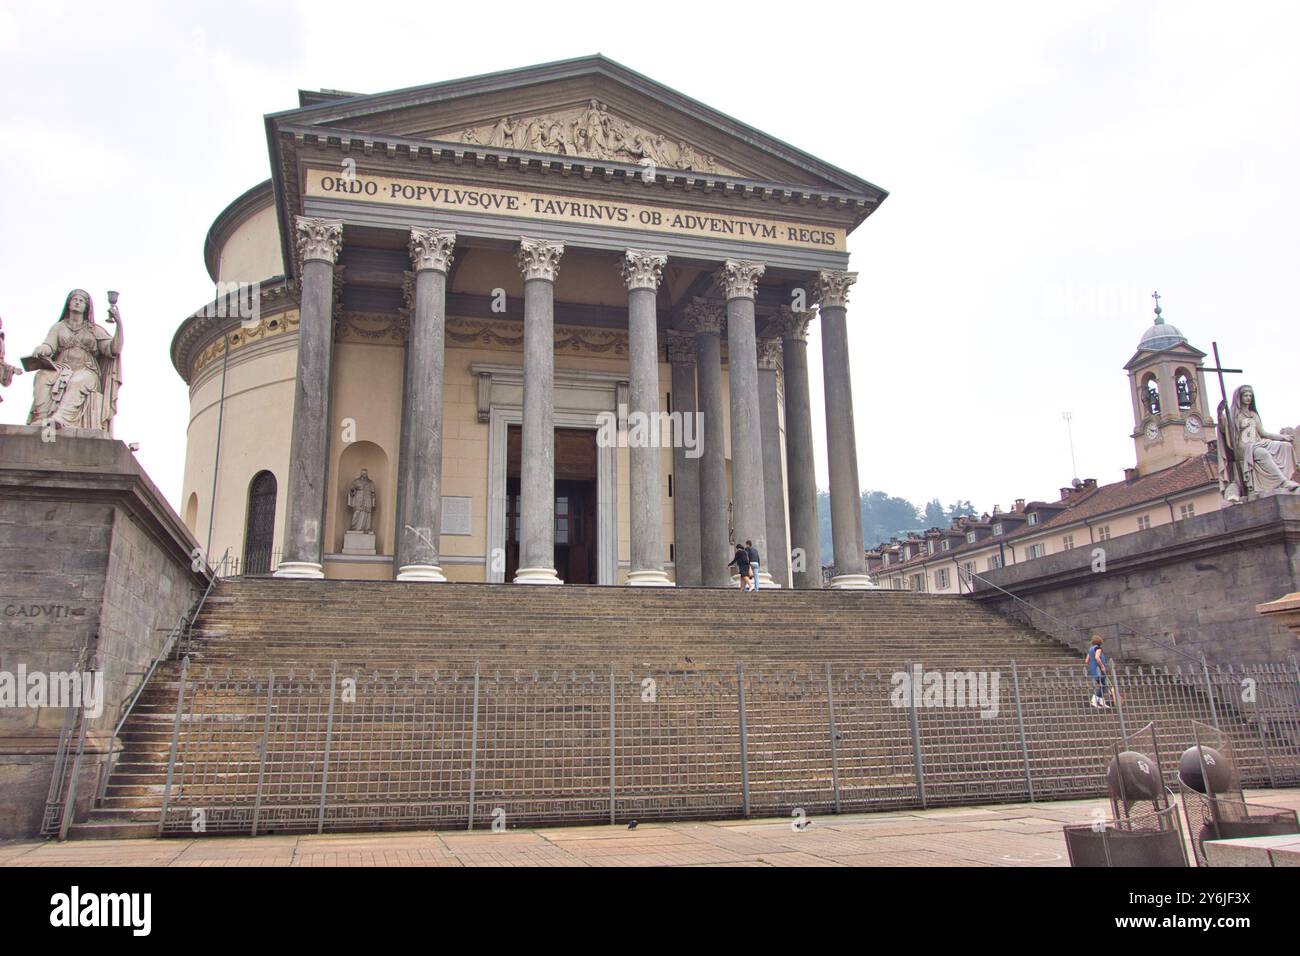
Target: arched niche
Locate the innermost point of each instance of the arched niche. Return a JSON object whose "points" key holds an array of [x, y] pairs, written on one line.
{"points": [[1185, 388], [358, 455], [192, 512], [259, 524]]}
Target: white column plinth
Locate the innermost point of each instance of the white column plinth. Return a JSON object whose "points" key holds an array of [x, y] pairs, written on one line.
{"points": [[421, 572]]}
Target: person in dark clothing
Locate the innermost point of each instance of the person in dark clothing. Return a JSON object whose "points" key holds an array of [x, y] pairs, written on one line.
{"points": [[741, 561], [753, 564], [1097, 671]]}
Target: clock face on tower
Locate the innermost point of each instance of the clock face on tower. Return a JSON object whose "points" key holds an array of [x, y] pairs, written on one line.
{"points": [[1192, 426], [1153, 431]]}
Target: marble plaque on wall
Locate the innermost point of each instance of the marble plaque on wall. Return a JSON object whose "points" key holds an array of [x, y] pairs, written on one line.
{"points": [[456, 515]]}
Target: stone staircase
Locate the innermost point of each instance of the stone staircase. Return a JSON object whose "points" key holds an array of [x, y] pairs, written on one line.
{"points": [[550, 661]]}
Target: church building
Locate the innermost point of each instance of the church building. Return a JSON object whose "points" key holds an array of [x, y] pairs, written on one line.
{"points": [[541, 326]]}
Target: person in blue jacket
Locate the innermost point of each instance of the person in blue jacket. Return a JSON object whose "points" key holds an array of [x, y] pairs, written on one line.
{"points": [[1097, 671]]}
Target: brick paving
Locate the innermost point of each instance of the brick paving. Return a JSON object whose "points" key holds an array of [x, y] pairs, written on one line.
{"points": [[1006, 835]]}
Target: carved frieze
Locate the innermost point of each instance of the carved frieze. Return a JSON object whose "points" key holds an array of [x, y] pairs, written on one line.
{"points": [[591, 132]]}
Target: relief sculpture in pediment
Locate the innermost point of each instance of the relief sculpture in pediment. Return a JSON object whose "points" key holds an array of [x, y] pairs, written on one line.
{"points": [[592, 133]]}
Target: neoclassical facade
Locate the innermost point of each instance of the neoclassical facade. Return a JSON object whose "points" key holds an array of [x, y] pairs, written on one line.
{"points": [[557, 315]]}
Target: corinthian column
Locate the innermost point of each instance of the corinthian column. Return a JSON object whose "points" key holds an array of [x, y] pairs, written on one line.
{"points": [[641, 272], [739, 279], [831, 291], [539, 262], [419, 473], [777, 558], [705, 317], [805, 533], [686, 462], [318, 242]]}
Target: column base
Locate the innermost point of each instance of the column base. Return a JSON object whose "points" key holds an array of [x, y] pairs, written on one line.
{"points": [[852, 582], [536, 576], [765, 581], [420, 572], [648, 579], [299, 569]]}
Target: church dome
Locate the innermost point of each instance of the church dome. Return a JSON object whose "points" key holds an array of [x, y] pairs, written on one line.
{"points": [[1161, 336]]}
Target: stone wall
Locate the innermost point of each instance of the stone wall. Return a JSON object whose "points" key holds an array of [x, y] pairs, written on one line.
{"points": [[91, 556], [1193, 584]]}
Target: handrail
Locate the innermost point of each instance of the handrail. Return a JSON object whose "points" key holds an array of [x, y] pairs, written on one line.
{"points": [[176, 632], [1075, 627]]}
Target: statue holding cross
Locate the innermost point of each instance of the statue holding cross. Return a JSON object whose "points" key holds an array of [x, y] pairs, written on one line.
{"points": [[1253, 462]]}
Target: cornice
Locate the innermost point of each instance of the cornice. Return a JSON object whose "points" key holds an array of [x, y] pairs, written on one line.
{"points": [[212, 320], [261, 196]]}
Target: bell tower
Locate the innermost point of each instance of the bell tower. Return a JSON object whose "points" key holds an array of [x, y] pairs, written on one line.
{"points": [[1171, 417]]}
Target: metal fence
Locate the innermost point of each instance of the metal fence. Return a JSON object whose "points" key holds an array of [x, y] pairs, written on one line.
{"points": [[257, 752]]}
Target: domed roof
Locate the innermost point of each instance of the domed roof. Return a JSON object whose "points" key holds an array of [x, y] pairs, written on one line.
{"points": [[1162, 335]]}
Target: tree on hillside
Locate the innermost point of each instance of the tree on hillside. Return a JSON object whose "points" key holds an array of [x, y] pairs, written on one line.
{"points": [[885, 516], [959, 509]]}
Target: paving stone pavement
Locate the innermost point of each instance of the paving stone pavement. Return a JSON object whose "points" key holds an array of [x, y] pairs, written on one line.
{"points": [[1004, 835]]}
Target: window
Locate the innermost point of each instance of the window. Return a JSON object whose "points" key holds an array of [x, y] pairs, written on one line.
{"points": [[997, 528], [946, 544], [930, 547], [941, 579], [970, 537], [1067, 542], [995, 562], [884, 560], [1033, 518], [907, 553], [1037, 550], [1144, 522], [1187, 511], [1103, 533]]}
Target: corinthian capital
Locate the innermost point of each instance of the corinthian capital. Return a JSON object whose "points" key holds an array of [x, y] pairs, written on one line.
{"points": [[739, 277], [769, 353], [431, 249], [318, 238], [705, 315], [641, 269], [681, 348], [539, 259], [831, 288], [793, 325]]}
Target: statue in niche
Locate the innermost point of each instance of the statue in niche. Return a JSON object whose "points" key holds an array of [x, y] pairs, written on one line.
{"points": [[362, 499], [78, 368], [1263, 462]]}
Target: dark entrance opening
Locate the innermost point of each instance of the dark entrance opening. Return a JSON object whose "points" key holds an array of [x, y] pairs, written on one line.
{"points": [[575, 504], [259, 528]]}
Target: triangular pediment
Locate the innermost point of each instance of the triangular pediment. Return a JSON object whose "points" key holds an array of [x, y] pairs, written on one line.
{"points": [[590, 109]]}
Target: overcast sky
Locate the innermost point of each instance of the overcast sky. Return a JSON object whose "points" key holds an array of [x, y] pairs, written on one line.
{"points": [[1049, 166]]}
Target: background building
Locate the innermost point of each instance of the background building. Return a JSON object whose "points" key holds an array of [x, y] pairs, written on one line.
{"points": [[1175, 478]]}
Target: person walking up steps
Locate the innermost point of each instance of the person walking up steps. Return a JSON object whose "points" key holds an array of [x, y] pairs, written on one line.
{"points": [[753, 564], [741, 561], [1097, 671]]}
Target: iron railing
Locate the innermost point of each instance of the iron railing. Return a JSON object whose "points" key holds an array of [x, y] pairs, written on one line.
{"points": [[255, 751]]}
